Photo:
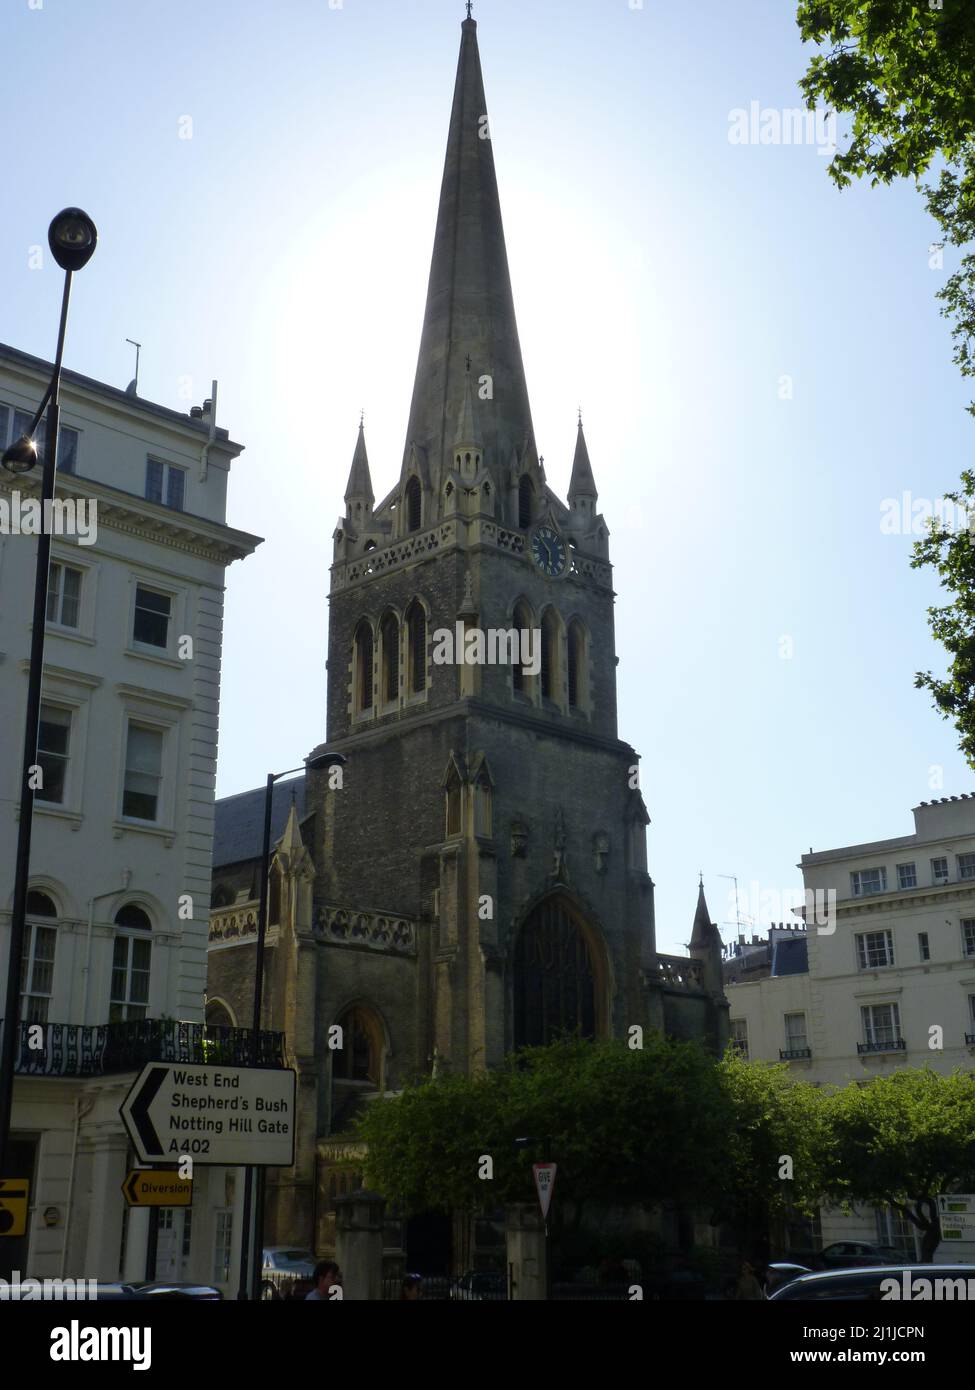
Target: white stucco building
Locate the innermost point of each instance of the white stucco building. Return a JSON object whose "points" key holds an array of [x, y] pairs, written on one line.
{"points": [[888, 982], [115, 961]]}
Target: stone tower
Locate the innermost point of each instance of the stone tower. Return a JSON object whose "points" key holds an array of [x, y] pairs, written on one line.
{"points": [[491, 806], [479, 880]]}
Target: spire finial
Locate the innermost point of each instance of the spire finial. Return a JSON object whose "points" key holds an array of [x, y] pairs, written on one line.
{"points": [[580, 417], [470, 6], [700, 880], [362, 418]]}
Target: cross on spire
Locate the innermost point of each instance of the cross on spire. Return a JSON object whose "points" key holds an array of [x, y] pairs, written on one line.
{"points": [[470, 6]]}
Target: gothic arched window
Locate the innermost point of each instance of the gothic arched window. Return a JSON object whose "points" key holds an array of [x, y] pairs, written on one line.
{"points": [[526, 494], [556, 979], [389, 634], [357, 1066], [453, 792], [416, 633], [522, 622], [414, 505], [362, 674], [576, 665], [550, 658]]}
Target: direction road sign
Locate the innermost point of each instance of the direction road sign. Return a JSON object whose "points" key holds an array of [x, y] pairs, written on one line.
{"points": [[544, 1183], [13, 1206], [233, 1116], [145, 1188]]}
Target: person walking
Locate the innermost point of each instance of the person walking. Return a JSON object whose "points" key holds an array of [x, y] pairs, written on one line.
{"points": [[327, 1276]]}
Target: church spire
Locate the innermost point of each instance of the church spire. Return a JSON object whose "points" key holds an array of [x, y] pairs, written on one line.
{"points": [[469, 308], [359, 489], [582, 487], [704, 930]]}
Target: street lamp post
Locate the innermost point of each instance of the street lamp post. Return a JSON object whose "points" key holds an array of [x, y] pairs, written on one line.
{"points": [[72, 237], [247, 1273]]}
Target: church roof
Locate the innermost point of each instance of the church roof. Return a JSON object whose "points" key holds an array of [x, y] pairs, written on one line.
{"points": [[470, 308], [704, 929], [239, 821]]}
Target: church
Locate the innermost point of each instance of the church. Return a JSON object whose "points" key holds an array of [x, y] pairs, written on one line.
{"points": [[474, 879]]}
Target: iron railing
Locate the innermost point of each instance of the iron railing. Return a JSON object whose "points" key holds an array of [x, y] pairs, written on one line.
{"points": [[70, 1049], [794, 1054], [887, 1045]]}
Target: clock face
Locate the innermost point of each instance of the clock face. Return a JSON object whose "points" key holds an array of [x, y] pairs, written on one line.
{"points": [[549, 552]]}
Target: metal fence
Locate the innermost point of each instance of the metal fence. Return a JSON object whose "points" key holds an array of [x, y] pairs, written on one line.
{"points": [[69, 1049]]}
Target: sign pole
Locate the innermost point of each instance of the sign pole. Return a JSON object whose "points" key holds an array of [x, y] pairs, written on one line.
{"points": [[152, 1244]]}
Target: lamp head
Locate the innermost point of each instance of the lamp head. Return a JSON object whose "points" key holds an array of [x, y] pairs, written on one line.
{"points": [[324, 760], [72, 237], [21, 456]]}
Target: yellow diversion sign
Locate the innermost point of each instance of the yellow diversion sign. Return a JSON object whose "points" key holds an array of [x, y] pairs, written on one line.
{"points": [[13, 1206], [146, 1188]]}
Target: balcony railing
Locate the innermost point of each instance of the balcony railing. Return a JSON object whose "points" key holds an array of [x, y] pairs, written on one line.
{"points": [[794, 1054], [889, 1045], [69, 1049]]}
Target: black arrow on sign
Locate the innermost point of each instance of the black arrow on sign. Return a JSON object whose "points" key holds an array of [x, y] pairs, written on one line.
{"points": [[130, 1188], [140, 1110]]}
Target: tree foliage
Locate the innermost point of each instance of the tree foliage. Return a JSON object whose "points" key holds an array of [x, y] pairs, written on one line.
{"points": [[901, 1140], [905, 71]]}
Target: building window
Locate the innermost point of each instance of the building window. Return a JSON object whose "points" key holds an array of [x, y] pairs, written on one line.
{"points": [[795, 1033], [576, 671], [130, 977], [63, 595], [939, 870], [550, 658], [363, 667], [482, 805], [143, 773], [894, 1229], [152, 614], [881, 1024], [165, 484], [966, 865], [416, 630], [453, 800], [875, 949], [525, 497], [867, 881], [738, 1037], [222, 1244], [906, 876], [554, 978], [37, 965], [968, 936], [53, 745], [414, 505], [522, 621], [389, 636], [971, 1010], [923, 947]]}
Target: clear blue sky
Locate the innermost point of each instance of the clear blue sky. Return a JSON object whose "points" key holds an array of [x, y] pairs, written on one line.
{"points": [[665, 279]]}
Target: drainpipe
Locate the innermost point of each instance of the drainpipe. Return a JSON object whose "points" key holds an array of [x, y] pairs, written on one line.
{"points": [[126, 880], [205, 456], [79, 1115]]}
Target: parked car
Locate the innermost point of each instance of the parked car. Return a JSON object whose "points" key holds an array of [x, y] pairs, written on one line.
{"points": [[863, 1285], [778, 1274], [286, 1272], [857, 1254], [481, 1287], [142, 1289]]}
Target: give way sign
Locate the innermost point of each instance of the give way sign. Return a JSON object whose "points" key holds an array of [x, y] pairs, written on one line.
{"points": [[544, 1183]]}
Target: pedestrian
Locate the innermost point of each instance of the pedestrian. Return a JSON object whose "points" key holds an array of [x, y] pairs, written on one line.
{"points": [[327, 1276], [411, 1288], [748, 1286]]}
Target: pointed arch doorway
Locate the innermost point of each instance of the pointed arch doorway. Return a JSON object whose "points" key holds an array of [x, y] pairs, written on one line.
{"points": [[559, 976]]}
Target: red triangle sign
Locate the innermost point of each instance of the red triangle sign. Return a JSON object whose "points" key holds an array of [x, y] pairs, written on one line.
{"points": [[544, 1183]]}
